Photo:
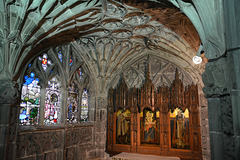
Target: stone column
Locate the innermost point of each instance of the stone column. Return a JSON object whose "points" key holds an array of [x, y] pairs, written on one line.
{"points": [[234, 82], [8, 119], [101, 126], [204, 122], [232, 35], [42, 106], [220, 114]]}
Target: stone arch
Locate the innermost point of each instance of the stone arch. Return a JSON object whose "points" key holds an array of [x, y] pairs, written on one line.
{"points": [[26, 33]]}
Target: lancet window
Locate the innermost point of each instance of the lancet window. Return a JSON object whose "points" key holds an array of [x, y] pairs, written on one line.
{"points": [[84, 106], [30, 100], [52, 101], [72, 109]]}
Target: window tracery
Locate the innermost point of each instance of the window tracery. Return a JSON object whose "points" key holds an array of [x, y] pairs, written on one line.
{"points": [[49, 88], [45, 61]]}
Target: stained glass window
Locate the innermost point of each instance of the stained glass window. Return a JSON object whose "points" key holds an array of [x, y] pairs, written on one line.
{"points": [[84, 106], [30, 101], [45, 61], [72, 103], [52, 102], [60, 55], [71, 61], [80, 73]]}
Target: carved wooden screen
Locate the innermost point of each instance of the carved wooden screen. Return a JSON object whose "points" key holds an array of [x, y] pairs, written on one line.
{"points": [[162, 121]]}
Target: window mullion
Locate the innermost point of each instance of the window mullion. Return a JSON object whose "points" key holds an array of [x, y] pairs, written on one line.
{"points": [[42, 106]]}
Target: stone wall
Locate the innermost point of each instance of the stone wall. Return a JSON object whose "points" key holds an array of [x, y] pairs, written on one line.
{"points": [[74, 142]]}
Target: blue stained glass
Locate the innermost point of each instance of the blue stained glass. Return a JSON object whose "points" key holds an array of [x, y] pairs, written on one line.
{"points": [[70, 111], [71, 61], [60, 55], [80, 73], [32, 75], [23, 115], [29, 65], [28, 80]]}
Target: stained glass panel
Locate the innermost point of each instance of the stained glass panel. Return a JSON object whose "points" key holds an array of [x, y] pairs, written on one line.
{"points": [[45, 61], [60, 55], [72, 103], [30, 101], [71, 62], [80, 73], [52, 102], [84, 106]]}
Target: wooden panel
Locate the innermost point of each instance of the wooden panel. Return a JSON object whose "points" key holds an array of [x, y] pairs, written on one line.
{"points": [[160, 102]]}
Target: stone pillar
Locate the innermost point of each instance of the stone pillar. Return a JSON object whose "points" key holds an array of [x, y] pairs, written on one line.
{"points": [[8, 119], [236, 121], [101, 126], [234, 73], [204, 122], [232, 35], [220, 113], [216, 135], [42, 106]]}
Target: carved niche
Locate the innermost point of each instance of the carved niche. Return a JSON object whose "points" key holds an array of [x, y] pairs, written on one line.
{"points": [[161, 121]]}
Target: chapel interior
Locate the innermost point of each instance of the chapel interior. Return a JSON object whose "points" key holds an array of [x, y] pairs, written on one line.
{"points": [[119, 79]]}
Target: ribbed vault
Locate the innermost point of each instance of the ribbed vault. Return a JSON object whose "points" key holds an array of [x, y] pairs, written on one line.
{"points": [[109, 37], [107, 34]]}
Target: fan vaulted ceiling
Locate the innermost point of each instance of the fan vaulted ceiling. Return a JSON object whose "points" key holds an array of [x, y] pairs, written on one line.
{"points": [[109, 35]]}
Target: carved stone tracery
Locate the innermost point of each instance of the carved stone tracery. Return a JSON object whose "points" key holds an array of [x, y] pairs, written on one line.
{"points": [[9, 93]]}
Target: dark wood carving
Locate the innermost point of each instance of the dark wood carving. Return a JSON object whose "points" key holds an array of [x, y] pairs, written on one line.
{"points": [[160, 103]]}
